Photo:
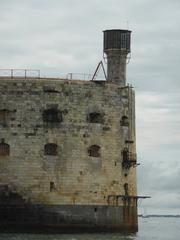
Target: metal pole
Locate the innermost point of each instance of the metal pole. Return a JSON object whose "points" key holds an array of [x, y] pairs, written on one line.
{"points": [[11, 73]]}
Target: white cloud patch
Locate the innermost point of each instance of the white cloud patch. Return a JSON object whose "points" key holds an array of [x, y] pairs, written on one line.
{"points": [[158, 119], [158, 141]]}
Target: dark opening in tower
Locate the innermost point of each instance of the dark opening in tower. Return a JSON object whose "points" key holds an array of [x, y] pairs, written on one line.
{"points": [[94, 151]]}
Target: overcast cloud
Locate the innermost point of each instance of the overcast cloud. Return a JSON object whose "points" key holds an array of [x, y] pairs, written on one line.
{"points": [[61, 36]]}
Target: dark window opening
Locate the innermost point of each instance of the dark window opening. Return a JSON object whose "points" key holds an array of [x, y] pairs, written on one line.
{"points": [[94, 151], [125, 154], [95, 209], [124, 121], [95, 117], [4, 149], [4, 115], [52, 186], [51, 149], [129, 158], [126, 189], [52, 116]]}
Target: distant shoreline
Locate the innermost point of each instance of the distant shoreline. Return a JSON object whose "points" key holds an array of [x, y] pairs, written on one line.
{"points": [[159, 215]]}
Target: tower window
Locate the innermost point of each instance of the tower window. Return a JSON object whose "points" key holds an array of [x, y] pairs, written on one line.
{"points": [[95, 117], [4, 149], [51, 149], [52, 116], [124, 121], [94, 151]]}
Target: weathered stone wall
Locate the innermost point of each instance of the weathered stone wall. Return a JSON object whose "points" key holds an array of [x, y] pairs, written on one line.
{"points": [[116, 67], [76, 177]]}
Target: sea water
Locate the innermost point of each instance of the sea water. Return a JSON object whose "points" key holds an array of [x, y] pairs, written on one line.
{"points": [[157, 228]]}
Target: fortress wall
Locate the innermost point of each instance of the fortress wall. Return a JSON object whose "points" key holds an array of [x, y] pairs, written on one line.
{"points": [[74, 176]]}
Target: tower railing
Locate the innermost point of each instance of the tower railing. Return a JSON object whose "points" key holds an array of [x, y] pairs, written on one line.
{"points": [[35, 73], [24, 73], [79, 76]]}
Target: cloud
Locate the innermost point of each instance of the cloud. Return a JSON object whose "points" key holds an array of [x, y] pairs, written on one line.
{"points": [[158, 138]]}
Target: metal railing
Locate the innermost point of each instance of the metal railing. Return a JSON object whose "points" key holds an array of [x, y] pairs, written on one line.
{"points": [[34, 73], [79, 76], [24, 73]]}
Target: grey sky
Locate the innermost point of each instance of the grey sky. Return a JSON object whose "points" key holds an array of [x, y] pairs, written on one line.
{"points": [[61, 36]]}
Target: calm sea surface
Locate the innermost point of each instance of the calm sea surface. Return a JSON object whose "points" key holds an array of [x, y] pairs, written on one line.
{"points": [[149, 228]]}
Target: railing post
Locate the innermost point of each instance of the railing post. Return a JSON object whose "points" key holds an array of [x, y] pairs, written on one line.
{"points": [[11, 73]]}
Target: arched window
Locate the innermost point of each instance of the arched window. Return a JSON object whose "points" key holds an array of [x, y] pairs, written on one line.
{"points": [[94, 151], [4, 149], [124, 121], [52, 116], [96, 117], [51, 149]]}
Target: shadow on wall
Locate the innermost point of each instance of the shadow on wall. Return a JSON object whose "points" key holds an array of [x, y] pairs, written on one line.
{"points": [[7, 196]]}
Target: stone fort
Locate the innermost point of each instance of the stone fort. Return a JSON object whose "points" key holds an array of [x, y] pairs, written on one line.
{"points": [[68, 149]]}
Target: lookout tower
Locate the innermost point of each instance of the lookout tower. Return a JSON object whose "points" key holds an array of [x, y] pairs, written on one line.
{"points": [[117, 48]]}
